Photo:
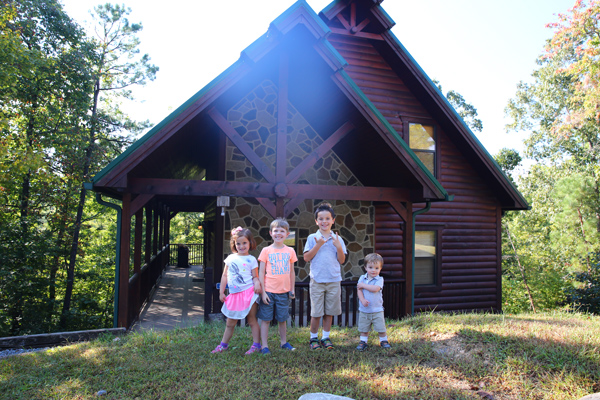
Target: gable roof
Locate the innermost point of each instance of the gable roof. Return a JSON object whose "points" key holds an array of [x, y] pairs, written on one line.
{"points": [[300, 13], [427, 92]]}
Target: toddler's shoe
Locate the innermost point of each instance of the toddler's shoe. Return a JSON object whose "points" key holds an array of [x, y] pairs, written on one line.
{"points": [[361, 346], [385, 344], [253, 349], [265, 351], [219, 349], [314, 344], [287, 346], [326, 343]]}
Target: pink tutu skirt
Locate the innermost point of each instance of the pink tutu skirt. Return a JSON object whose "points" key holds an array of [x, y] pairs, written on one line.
{"points": [[238, 305]]}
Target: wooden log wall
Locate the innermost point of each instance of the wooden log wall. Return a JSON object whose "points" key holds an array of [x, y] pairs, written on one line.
{"points": [[470, 243]]}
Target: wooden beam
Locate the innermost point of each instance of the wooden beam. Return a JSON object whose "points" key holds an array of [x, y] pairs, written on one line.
{"points": [[282, 111], [241, 144], [319, 152], [268, 206], [140, 201], [291, 205], [265, 190], [400, 209], [365, 35]]}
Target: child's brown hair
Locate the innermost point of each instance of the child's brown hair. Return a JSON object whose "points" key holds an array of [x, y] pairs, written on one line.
{"points": [[239, 232], [374, 258], [324, 207]]}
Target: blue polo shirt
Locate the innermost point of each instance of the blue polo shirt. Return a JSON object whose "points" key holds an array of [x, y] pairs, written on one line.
{"points": [[375, 299], [324, 267]]}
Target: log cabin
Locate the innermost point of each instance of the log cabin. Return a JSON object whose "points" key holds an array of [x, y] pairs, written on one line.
{"points": [[322, 107]]}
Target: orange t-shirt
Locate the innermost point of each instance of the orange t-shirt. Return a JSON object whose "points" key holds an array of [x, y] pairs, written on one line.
{"points": [[279, 264]]}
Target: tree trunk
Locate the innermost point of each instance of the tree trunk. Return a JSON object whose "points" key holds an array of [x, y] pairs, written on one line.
{"points": [[82, 194]]}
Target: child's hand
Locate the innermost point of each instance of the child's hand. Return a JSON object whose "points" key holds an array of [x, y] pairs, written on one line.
{"points": [[320, 241], [336, 240], [365, 302], [292, 294], [257, 287], [265, 298], [222, 297]]}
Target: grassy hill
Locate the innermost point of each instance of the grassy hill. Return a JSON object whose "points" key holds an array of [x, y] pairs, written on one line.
{"points": [[468, 356]]}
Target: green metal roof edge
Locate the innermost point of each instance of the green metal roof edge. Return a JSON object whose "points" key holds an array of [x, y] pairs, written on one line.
{"points": [[302, 3], [458, 117], [135, 145], [391, 129]]}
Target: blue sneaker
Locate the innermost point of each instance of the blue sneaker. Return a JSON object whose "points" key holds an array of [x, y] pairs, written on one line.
{"points": [[288, 346], [265, 350]]}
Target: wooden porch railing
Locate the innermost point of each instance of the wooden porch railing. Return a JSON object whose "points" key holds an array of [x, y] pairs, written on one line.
{"points": [[393, 302], [141, 284], [393, 297], [195, 253]]}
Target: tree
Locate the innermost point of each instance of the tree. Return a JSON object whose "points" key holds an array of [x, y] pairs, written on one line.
{"points": [[44, 85], [465, 110], [561, 110], [115, 68]]}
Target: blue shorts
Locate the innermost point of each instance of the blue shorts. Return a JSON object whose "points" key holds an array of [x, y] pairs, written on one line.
{"points": [[279, 304]]}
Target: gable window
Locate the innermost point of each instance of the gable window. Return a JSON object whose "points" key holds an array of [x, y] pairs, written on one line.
{"points": [[421, 139]]}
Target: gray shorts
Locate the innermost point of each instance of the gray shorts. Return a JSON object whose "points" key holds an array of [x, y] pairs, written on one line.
{"points": [[365, 320], [279, 304]]}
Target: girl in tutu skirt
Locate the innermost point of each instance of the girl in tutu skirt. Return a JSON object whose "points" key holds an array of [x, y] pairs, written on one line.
{"points": [[241, 275]]}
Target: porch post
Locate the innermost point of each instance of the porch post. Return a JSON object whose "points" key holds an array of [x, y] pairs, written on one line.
{"points": [[123, 320], [137, 257]]}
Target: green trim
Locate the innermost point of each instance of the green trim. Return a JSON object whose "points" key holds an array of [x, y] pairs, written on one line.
{"points": [[393, 132], [280, 20], [465, 127]]}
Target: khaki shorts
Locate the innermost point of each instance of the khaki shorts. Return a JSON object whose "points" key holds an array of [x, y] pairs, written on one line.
{"points": [[325, 298], [365, 320]]}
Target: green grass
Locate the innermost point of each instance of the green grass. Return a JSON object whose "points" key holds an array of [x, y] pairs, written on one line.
{"points": [[433, 356]]}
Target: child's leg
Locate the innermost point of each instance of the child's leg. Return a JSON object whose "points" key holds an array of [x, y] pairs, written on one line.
{"points": [[314, 325], [283, 332], [327, 322], [253, 322], [229, 328], [264, 333]]}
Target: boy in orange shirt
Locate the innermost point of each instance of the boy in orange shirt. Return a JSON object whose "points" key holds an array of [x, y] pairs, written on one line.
{"points": [[277, 278]]}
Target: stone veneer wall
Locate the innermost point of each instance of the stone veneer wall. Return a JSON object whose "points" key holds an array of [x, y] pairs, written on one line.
{"points": [[255, 119]]}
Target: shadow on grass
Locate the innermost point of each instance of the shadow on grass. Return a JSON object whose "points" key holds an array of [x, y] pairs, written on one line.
{"points": [[470, 357]]}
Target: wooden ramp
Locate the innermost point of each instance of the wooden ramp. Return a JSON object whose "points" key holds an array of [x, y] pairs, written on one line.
{"points": [[178, 302]]}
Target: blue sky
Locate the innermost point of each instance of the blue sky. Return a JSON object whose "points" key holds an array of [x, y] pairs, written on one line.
{"points": [[479, 48]]}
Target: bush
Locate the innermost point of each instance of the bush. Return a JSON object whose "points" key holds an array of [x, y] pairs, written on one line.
{"points": [[586, 297]]}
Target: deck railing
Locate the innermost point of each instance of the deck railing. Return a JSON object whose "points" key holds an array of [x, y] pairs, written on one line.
{"points": [[194, 250], [393, 302], [141, 284]]}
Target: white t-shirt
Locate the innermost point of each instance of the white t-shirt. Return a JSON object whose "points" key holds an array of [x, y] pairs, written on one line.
{"points": [[239, 272]]}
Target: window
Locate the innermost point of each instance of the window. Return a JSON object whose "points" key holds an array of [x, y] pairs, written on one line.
{"points": [[421, 139], [425, 257]]}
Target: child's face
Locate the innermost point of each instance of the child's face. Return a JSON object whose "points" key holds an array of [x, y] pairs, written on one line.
{"points": [[242, 245], [279, 234], [373, 269], [324, 221]]}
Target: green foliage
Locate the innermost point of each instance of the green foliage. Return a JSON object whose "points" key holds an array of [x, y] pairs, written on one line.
{"points": [[185, 228], [559, 109], [465, 110], [586, 296], [58, 127]]}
